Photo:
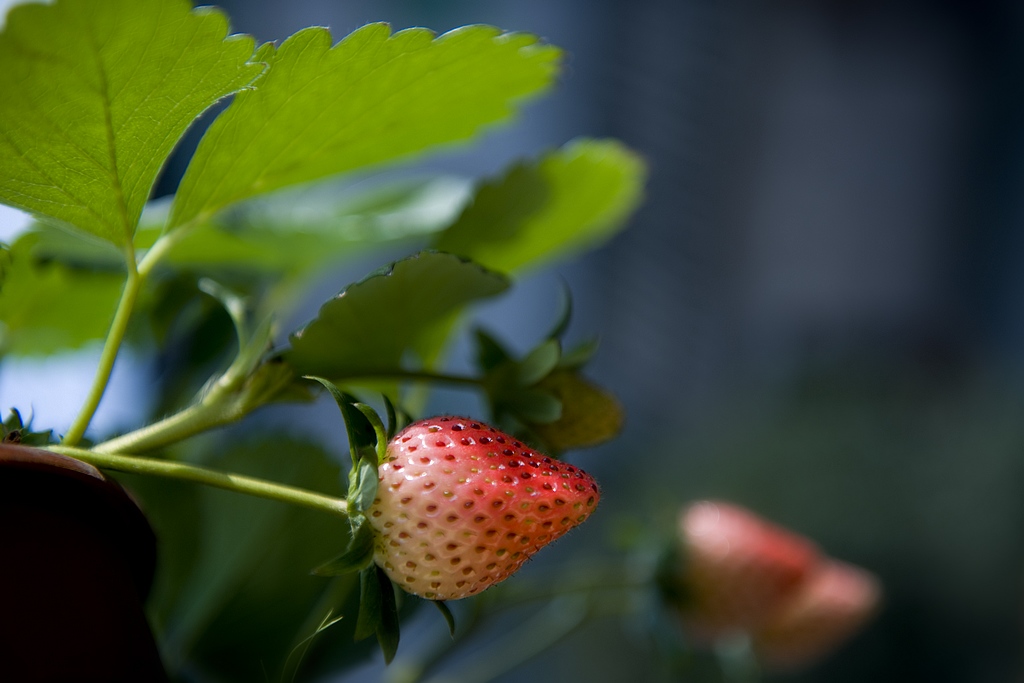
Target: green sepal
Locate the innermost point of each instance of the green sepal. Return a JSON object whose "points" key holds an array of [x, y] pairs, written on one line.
{"points": [[363, 486], [387, 627], [532, 405], [392, 415], [579, 355], [449, 618], [562, 324], [357, 556], [369, 616], [489, 352], [362, 436], [590, 414], [539, 363], [378, 428], [15, 431]]}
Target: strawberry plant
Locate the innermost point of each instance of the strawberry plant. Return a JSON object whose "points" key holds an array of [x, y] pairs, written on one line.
{"points": [[280, 558], [289, 180]]}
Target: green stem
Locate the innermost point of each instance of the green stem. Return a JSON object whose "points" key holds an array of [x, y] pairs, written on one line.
{"points": [[213, 411], [191, 421], [159, 249], [413, 376], [109, 354], [224, 480]]}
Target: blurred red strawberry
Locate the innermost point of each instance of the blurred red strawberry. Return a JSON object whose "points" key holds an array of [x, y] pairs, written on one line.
{"points": [[737, 569], [829, 607]]}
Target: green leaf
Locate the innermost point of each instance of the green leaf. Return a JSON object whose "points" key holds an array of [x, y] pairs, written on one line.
{"points": [[96, 95], [362, 211], [49, 307], [373, 325], [572, 198], [373, 97], [369, 616], [292, 232], [387, 629], [357, 556], [299, 231]]}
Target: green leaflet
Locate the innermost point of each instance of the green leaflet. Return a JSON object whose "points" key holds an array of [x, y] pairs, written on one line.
{"points": [[371, 98], [574, 197], [96, 95], [372, 326]]}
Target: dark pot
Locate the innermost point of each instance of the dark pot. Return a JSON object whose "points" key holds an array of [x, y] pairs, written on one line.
{"points": [[77, 558]]}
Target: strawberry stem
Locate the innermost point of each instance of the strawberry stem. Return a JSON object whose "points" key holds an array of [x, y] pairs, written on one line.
{"points": [[109, 354], [137, 274], [413, 376], [219, 407], [224, 480]]}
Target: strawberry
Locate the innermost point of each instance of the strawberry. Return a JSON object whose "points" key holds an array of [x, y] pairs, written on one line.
{"points": [[737, 569], [830, 606], [461, 506]]}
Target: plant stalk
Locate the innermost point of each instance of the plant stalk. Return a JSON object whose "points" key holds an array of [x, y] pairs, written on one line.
{"points": [[202, 475], [109, 354], [210, 412], [177, 427]]}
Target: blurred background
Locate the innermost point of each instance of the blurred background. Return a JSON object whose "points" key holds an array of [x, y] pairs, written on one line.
{"points": [[818, 313]]}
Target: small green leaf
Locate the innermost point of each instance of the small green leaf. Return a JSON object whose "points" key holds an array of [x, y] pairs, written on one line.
{"points": [[96, 95], [539, 363], [387, 629], [449, 618], [356, 557], [369, 618], [373, 325], [572, 198], [371, 98]]}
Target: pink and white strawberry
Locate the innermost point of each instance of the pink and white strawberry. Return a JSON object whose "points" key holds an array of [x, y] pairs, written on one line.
{"points": [[461, 506], [831, 605], [737, 570]]}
